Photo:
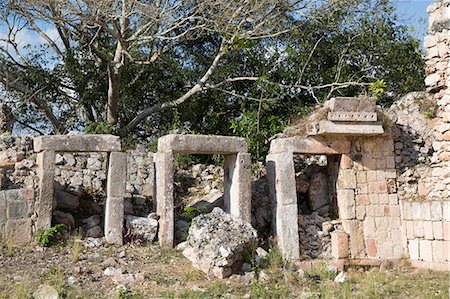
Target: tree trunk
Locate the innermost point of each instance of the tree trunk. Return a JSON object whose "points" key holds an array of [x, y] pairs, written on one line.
{"points": [[113, 95]]}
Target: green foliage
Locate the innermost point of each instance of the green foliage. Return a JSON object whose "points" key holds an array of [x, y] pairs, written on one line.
{"points": [[377, 88], [123, 293], [192, 212], [46, 238], [99, 128]]}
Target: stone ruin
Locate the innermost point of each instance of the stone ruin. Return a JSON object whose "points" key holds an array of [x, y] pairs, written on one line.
{"points": [[387, 175]]}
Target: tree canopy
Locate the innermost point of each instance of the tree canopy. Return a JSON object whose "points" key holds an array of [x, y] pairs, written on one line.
{"points": [[143, 68]]}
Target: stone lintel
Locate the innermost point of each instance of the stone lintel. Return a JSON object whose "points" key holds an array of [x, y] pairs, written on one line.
{"points": [[77, 143], [311, 145], [352, 104], [325, 127], [202, 144], [352, 116]]}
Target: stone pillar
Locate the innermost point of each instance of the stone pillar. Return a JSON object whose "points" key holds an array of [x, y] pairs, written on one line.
{"points": [[164, 197], [238, 185], [46, 172], [281, 179], [115, 192]]}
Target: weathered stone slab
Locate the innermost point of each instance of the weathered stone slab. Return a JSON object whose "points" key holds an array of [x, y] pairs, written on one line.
{"points": [[202, 144], [2, 207], [164, 197], [77, 143], [238, 185], [46, 171], [339, 245], [19, 231], [352, 116], [316, 145], [286, 231], [281, 178], [115, 192], [355, 229], [352, 104], [325, 127]]}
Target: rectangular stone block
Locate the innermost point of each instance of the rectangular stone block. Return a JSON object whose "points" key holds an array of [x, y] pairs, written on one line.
{"points": [[369, 227], [360, 212], [164, 197], [346, 204], [114, 214], [281, 178], [2, 207], [202, 144], [46, 170], [426, 211], [436, 211], [413, 249], [426, 250], [371, 247], [438, 232], [355, 230], [346, 179], [446, 230], [325, 127], [317, 145], [416, 211], [410, 230], [361, 177], [428, 230], [352, 104], [393, 199], [115, 192], [439, 255], [286, 231], [383, 198], [446, 210], [238, 185], [17, 209], [352, 116], [418, 229], [19, 231], [77, 143], [339, 245]]}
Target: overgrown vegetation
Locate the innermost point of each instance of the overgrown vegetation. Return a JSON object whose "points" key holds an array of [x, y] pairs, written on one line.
{"points": [[46, 238]]}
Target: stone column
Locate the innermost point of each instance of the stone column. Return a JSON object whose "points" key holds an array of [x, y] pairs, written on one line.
{"points": [[281, 178], [164, 197], [46, 172], [115, 192], [238, 185]]}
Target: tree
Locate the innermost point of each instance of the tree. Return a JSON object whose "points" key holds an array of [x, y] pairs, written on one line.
{"points": [[202, 65]]}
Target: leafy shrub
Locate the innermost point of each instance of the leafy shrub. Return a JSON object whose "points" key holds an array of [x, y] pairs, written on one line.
{"points": [[46, 238]]}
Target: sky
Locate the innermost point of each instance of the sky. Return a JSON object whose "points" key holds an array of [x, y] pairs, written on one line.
{"points": [[414, 14]]}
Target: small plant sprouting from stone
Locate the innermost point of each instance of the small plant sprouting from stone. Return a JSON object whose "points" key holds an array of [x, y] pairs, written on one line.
{"points": [[47, 237], [192, 212], [76, 248]]}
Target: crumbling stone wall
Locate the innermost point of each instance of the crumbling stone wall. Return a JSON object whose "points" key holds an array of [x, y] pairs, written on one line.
{"points": [[18, 176]]}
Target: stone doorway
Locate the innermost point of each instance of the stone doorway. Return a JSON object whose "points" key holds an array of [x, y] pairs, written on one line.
{"points": [[315, 180], [237, 176]]}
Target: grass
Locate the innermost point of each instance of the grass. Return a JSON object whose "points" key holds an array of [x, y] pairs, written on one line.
{"points": [[76, 246]]}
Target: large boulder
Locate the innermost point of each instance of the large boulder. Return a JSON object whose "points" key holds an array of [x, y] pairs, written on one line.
{"points": [[66, 201], [141, 228], [218, 243]]}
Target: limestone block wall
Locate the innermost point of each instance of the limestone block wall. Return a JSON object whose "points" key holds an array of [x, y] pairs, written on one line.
{"points": [[16, 215], [427, 232], [367, 199]]}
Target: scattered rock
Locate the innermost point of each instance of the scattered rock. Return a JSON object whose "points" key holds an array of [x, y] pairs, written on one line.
{"points": [[300, 273], [109, 262], [95, 232], [92, 221], [63, 218], [72, 280], [45, 292], [246, 267], [218, 242], [341, 277], [143, 228], [93, 242]]}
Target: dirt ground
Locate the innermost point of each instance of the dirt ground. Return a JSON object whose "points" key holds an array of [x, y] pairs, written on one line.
{"points": [[133, 271]]}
